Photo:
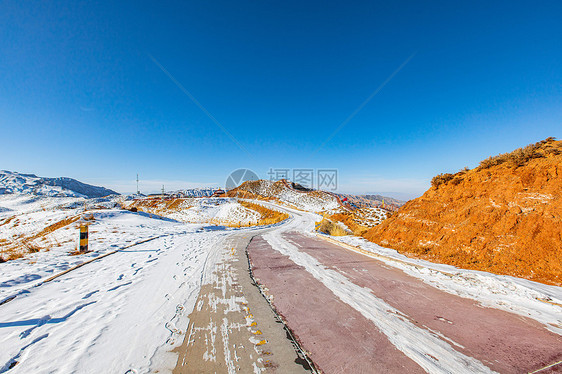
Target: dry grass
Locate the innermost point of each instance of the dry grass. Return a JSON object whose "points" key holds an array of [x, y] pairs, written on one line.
{"points": [[32, 248], [76, 252], [351, 221], [21, 245], [330, 228], [14, 255], [7, 220], [55, 226], [268, 216], [156, 206], [174, 204], [522, 156], [438, 180]]}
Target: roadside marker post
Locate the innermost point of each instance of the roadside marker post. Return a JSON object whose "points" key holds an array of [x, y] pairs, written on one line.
{"points": [[83, 238]]}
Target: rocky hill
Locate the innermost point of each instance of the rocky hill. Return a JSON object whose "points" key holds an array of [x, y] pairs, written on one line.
{"points": [[13, 182], [504, 216]]}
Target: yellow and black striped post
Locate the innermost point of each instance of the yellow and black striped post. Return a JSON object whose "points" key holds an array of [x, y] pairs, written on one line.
{"points": [[83, 238]]}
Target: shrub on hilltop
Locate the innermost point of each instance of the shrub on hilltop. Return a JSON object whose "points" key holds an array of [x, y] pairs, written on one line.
{"points": [[518, 158], [521, 156]]}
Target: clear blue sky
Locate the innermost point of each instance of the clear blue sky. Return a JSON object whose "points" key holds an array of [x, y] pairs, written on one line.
{"points": [[81, 97]]}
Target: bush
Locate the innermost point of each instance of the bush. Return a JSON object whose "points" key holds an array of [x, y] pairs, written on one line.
{"points": [[517, 158], [440, 179], [330, 228]]}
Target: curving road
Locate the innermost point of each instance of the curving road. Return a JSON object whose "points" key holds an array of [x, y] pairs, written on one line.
{"points": [[355, 314]]}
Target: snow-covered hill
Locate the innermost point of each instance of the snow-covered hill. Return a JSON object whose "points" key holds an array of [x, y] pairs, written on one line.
{"points": [[288, 194], [14, 182], [196, 192]]}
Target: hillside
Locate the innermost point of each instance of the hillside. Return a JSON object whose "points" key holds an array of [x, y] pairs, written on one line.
{"points": [[287, 193], [13, 182], [505, 216]]}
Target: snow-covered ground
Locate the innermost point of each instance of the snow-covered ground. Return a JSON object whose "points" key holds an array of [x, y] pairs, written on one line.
{"points": [[40, 223], [202, 210], [123, 312]]}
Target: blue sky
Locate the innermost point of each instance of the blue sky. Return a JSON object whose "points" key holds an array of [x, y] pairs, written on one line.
{"points": [[80, 95]]}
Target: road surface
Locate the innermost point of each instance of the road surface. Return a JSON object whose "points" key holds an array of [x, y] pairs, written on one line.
{"points": [[355, 314]]}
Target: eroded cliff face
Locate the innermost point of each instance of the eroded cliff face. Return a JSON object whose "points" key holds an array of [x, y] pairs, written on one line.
{"points": [[504, 216]]}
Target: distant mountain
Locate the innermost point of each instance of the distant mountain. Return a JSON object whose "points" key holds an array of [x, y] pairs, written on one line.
{"points": [[373, 200], [196, 192], [14, 182], [385, 199]]}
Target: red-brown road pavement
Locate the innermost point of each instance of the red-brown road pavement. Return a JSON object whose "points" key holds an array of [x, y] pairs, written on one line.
{"points": [[355, 314]]}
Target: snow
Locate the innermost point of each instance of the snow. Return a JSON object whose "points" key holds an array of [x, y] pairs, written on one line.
{"points": [[308, 201], [123, 312], [215, 210], [313, 201], [196, 192]]}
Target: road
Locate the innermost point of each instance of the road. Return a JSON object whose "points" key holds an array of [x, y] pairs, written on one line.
{"points": [[273, 299], [355, 314]]}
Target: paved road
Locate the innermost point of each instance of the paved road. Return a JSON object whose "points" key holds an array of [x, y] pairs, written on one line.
{"points": [[233, 328], [355, 314]]}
